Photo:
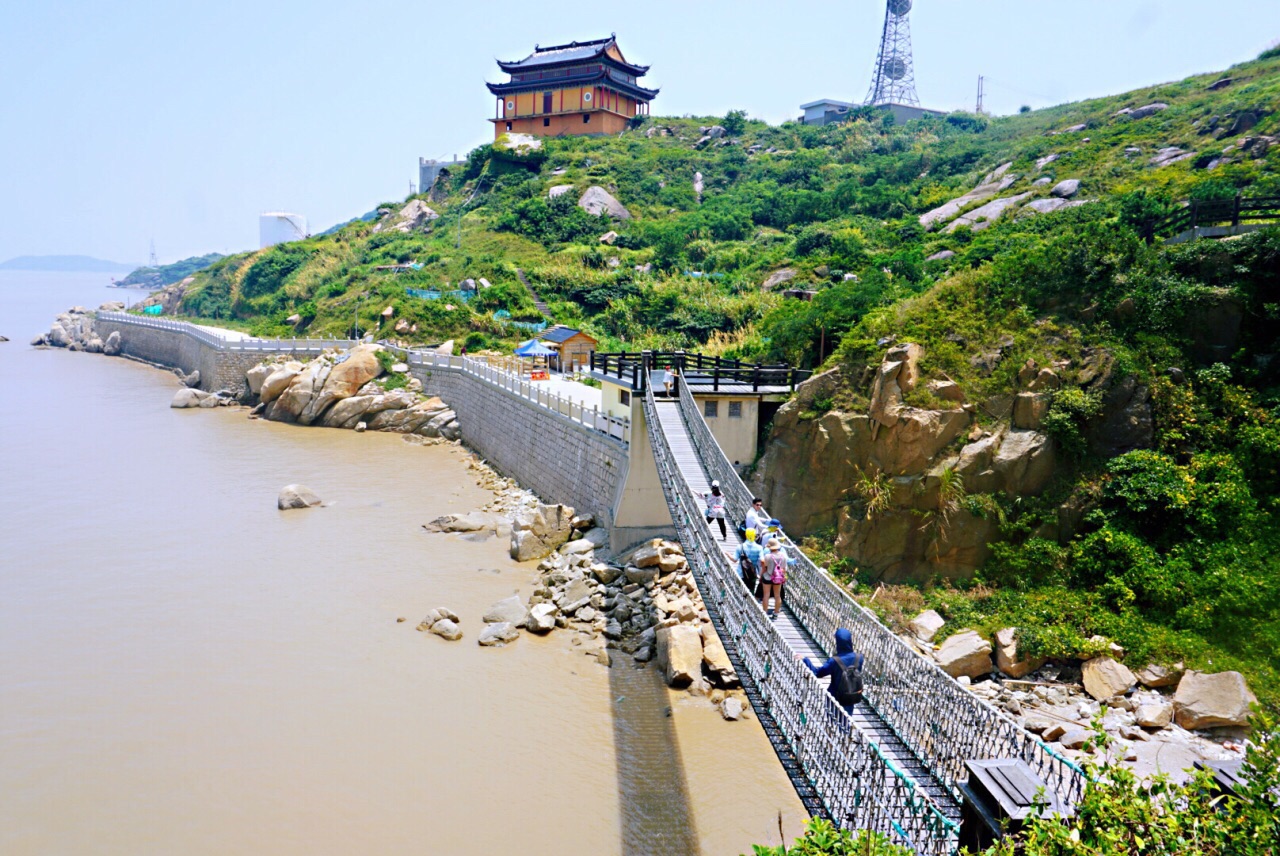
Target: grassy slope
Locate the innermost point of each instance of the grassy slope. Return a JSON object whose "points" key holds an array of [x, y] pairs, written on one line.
{"points": [[1168, 570]]}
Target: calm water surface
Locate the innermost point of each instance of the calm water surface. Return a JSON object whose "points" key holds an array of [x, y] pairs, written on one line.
{"points": [[184, 669]]}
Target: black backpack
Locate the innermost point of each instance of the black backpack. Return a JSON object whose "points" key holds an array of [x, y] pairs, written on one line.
{"points": [[846, 685], [748, 571]]}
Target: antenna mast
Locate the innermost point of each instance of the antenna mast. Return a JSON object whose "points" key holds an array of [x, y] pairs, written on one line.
{"points": [[979, 108], [894, 81], [153, 260]]}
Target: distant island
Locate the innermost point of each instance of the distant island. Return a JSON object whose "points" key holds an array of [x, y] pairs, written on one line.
{"points": [[77, 264], [159, 277]]}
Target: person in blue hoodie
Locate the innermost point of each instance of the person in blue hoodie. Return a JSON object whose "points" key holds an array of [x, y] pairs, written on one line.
{"points": [[845, 671]]}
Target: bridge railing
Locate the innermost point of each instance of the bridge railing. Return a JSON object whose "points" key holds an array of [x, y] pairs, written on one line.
{"points": [[634, 368], [575, 411], [223, 343], [854, 783], [943, 723], [1215, 212]]}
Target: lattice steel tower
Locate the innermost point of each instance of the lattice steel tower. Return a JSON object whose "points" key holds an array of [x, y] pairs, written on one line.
{"points": [[894, 81]]}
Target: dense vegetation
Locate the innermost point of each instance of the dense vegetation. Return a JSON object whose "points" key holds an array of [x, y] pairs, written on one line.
{"points": [[162, 275], [1174, 553]]}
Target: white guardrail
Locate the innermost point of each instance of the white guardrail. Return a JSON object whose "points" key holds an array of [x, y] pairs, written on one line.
{"points": [[574, 411]]}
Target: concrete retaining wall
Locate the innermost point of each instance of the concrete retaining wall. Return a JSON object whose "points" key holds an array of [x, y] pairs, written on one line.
{"points": [[555, 457], [219, 369]]}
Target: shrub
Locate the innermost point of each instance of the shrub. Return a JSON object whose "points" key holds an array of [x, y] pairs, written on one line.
{"points": [[1068, 415], [272, 268], [734, 122]]}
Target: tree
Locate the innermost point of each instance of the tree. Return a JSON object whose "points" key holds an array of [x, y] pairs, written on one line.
{"points": [[734, 122]]}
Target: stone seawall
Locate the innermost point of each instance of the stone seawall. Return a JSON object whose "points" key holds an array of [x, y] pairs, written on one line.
{"points": [[219, 369], [555, 457]]}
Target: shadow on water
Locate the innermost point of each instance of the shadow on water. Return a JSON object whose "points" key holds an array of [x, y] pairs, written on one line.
{"points": [[653, 794]]}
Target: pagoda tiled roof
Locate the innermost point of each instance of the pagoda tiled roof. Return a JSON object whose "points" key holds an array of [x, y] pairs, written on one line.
{"points": [[605, 76], [573, 52]]}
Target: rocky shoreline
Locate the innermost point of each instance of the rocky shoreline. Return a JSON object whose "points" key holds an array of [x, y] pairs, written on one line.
{"points": [[1159, 718], [642, 605]]}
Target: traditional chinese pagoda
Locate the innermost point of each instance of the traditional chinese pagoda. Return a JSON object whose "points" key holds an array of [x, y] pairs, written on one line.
{"points": [[578, 88]]}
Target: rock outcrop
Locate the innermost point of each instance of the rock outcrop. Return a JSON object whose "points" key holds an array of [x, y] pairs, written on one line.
{"points": [[993, 183], [537, 532]]}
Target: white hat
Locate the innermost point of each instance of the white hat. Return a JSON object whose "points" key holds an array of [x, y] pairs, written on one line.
{"points": [[715, 483]]}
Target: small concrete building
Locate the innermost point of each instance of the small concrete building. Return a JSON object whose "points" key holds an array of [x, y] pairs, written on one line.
{"points": [[829, 111], [431, 170]]}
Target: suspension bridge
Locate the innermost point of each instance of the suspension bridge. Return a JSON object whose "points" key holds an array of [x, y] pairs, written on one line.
{"points": [[897, 764]]}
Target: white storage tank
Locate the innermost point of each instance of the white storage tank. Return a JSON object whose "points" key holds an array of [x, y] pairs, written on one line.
{"points": [[277, 227]]}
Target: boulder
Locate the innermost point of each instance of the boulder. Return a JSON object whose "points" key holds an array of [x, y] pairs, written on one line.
{"points": [[577, 547], [926, 625], [414, 216], [1029, 410], [559, 190], [538, 531], [1103, 678], [1212, 700], [680, 653], [192, 380], [542, 618], [276, 383], [1066, 189], [1148, 110], [647, 555], [257, 376], [1075, 738], [359, 366], [348, 412], [58, 336], [1024, 461], [1007, 659], [731, 708], [716, 658], [777, 278], [965, 653], [188, 398], [112, 346], [510, 610], [1154, 715], [598, 201], [497, 634], [447, 628], [297, 496], [940, 256], [1154, 676]]}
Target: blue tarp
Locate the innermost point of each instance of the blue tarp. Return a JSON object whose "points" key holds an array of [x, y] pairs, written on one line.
{"points": [[534, 348], [464, 296]]}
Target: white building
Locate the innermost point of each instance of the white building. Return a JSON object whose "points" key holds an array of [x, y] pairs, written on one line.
{"points": [[277, 227]]}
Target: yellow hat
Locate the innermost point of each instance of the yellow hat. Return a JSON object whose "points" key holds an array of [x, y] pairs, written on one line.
{"points": [[751, 534]]}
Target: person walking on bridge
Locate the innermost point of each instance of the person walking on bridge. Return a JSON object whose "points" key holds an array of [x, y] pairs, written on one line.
{"points": [[757, 519], [715, 508], [845, 671], [749, 554], [773, 573]]}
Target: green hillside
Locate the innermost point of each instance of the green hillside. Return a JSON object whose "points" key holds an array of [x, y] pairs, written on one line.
{"points": [[1174, 553], [162, 275]]}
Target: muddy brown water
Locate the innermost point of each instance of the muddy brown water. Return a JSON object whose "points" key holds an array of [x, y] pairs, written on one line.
{"points": [[184, 669]]}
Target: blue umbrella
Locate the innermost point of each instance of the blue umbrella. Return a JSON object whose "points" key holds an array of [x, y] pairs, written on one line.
{"points": [[534, 348]]}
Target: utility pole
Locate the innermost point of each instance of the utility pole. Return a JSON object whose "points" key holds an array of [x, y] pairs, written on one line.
{"points": [[980, 82]]}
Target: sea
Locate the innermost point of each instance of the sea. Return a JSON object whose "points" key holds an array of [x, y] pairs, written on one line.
{"points": [[184, 669]]}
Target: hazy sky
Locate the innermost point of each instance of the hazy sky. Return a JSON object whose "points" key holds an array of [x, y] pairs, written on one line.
{"points": [[122, 122]]}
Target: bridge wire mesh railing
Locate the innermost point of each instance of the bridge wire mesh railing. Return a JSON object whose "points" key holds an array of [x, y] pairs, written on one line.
{"points": [[943, 723], [853, 782]]}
